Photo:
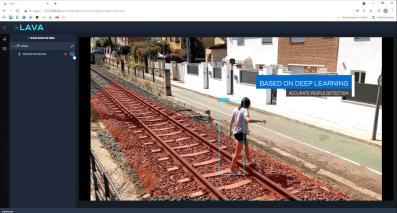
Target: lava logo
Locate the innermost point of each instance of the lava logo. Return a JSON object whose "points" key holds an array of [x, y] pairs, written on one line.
{"points": [[30, 27]]}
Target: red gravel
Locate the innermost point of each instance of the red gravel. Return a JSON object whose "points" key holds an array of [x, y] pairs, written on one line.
{"points": [[162, 183], [152, 172]]}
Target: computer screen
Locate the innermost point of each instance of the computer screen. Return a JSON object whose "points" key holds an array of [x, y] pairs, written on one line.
{"points": [[197, 105]]}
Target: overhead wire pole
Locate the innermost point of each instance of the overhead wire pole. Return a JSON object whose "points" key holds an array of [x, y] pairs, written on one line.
{"points": [[377, 108], [188, 49], [151, 62]]}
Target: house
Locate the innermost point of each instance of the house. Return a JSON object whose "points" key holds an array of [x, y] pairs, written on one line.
{"points": [[217, 51], [357, 56], [176, 43], [308, 54], [257, 50], [361, 57], [126, 41]]}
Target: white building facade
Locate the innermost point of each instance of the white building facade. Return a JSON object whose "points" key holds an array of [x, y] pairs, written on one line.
{"points": [[261, 50], [362, 58], [360, 54], [354, 117]]}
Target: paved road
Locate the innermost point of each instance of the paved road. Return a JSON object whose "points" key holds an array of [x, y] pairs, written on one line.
{"points": [[343, 147]]}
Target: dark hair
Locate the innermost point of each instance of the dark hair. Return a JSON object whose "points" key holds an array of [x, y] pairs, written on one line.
{"points": [[245, 102]]}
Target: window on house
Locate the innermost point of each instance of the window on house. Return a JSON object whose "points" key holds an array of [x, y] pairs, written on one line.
{"points": [[240, 41], [267, 40], [359, 77], [297, 39], [362, 38], [296, 69]]}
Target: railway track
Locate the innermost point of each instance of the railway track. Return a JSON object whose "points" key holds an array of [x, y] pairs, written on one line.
{"points": [[198, 153]]}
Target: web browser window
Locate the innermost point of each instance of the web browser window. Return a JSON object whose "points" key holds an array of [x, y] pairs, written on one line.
{"points": [[221, 105]]}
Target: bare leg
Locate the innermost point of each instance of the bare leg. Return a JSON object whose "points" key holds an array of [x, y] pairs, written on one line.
{"points": [[237, 152], [247, 154]]}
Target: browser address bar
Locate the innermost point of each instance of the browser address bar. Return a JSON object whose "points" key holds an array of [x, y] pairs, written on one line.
{"points": [[202, 10], [84, 10]]}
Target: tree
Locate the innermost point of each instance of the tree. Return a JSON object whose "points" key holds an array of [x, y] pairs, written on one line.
{"points": [[142, 53], [164, 47], [98, 43], [111, 44], [103, 42], [197, 51], [172, 57], [123, 50], [196, 47]]}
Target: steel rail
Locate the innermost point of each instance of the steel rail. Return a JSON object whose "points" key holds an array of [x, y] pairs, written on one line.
{"points": [[203, 180], [250, 170]]}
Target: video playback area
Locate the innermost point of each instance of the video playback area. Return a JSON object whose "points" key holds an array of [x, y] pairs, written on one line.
{"points": [[214, 118]]}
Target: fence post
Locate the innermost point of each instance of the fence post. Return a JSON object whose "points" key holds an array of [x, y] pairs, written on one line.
{"points": [[96, 188], [143, 73], [106, 183], [173, 70], [167, 81], [377, 108], [122, 66], [152, 63]]}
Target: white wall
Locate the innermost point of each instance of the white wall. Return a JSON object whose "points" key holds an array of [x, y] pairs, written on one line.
{"points": [[194, 81], [331, 109], [361, 55], [249, 90], [180, 72], [357, 55], [253, 47], [217, 87]]}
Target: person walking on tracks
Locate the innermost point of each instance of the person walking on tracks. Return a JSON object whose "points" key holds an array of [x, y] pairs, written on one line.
{"points": [[239, 128]]}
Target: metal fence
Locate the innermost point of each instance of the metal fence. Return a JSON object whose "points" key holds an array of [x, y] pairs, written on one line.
{"points": [[365, 93], [248, 76], [217, 72], [103, 186], [192, 69]]}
